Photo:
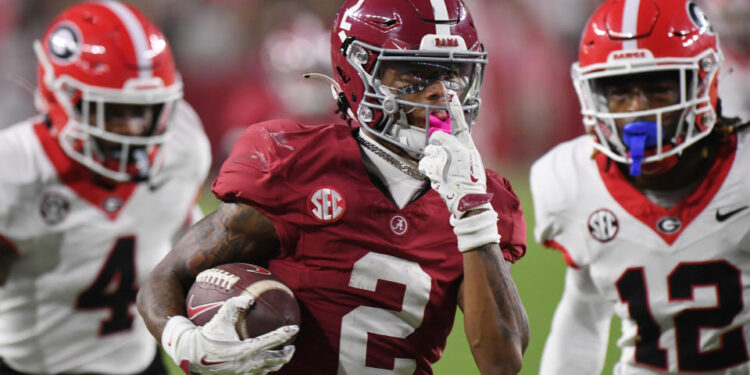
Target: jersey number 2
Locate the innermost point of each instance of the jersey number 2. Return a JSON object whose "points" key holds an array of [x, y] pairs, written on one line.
{"points": [[114, 288], [720, 275], [357, 324]]}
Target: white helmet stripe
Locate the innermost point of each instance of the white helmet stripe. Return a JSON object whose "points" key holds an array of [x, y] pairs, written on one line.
{"points": [[137, 35], [630, 23], [441, 14]]}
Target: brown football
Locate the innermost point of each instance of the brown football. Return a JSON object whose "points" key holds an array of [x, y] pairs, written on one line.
{"points": [[275, 305]]}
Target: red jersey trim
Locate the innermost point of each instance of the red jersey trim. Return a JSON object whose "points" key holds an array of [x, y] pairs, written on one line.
{"points": [[565, 254], [649, 213], [9, 244], [79, 178]]}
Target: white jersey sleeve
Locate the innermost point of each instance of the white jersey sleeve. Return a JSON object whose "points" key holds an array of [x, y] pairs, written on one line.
{"points": [[577, 341], [188, 146], [18, 169], [556, 184]]}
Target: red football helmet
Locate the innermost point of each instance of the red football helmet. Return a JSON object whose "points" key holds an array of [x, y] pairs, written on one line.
{"points": [[95, 57], [628, 37], [367, 33]]}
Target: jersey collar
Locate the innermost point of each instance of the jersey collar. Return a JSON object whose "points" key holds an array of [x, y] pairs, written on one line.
{"points": [[82, 180], [649, 213]]}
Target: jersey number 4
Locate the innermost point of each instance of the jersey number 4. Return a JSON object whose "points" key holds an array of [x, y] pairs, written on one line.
{"points": [[114, 288], [688, 323], [360, 322]]}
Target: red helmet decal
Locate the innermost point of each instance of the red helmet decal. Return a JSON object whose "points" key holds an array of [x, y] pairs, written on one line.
{"points": [[64, 46]]}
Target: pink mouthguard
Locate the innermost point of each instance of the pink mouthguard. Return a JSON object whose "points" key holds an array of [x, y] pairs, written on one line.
{"points": [[437, 124]]}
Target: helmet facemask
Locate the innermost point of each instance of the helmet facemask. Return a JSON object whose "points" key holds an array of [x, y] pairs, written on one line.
{"points": [[665, 130], [390, 112]]}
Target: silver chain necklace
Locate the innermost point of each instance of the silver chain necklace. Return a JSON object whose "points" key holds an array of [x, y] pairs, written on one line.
{"points": [[409, 170]]}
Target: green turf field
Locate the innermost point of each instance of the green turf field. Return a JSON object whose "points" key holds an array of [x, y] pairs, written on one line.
{"points": [[539, 277]]}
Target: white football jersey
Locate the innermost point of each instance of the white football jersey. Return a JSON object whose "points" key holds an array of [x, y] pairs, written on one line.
{"points": [[678, 278], [734, 89], [69, 302]]}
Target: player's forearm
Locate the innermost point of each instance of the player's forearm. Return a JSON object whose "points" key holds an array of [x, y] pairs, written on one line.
{"points": [[232, 233], [163, 294], [495, 321], [161, 297]]}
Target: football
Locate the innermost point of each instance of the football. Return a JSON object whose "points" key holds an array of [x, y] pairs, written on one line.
{"points": [[275, 305]]}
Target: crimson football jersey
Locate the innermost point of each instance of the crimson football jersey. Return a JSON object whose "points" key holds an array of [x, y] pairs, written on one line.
{"points": [[377, 284]]}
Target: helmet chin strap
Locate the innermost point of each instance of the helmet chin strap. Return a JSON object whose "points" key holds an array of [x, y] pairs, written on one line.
{"points": [[414, 136], [410, 135], [637, 136]]}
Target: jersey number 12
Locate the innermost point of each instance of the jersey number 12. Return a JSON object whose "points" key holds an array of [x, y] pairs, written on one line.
{"points": [[688, 323]]}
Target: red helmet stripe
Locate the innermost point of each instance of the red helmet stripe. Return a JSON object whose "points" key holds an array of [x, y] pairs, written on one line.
{"points": [[440, 9], [630, 23], [137, 36]]}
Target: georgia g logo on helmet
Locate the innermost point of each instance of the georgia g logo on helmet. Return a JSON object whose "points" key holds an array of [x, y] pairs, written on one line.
{"points": [[65, 44]]}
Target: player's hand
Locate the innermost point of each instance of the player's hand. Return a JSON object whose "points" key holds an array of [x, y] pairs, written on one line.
{"points": [[455, 169], [215, 348]]}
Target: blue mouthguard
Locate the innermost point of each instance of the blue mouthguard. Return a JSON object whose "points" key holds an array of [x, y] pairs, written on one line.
{"points": [[637, 136]]}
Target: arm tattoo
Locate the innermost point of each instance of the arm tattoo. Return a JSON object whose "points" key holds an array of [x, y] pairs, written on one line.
{"points": [[233, 233]]}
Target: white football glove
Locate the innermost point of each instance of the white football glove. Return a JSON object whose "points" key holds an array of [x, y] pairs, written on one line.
{"points": [[215, 348], [455, 169]]}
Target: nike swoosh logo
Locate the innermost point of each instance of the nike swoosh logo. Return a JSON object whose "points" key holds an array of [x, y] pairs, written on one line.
{"points": [[724, 216], [204, 362], [193, 311], [471, 171]]}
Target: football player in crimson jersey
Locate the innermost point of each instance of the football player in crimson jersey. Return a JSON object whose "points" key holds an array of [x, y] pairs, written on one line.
{"points": [[345, 215], [650, 209], [92, 192]]}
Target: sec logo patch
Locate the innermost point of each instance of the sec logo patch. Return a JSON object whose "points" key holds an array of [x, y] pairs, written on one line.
{"points": [[54, 208], [326, 204], [603, 225]]}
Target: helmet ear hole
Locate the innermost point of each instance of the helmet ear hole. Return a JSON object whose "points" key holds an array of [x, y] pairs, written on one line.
{"points": [[344, 78]]}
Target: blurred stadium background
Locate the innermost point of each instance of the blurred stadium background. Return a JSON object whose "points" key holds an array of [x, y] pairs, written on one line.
{"points": [[242, 60]]}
